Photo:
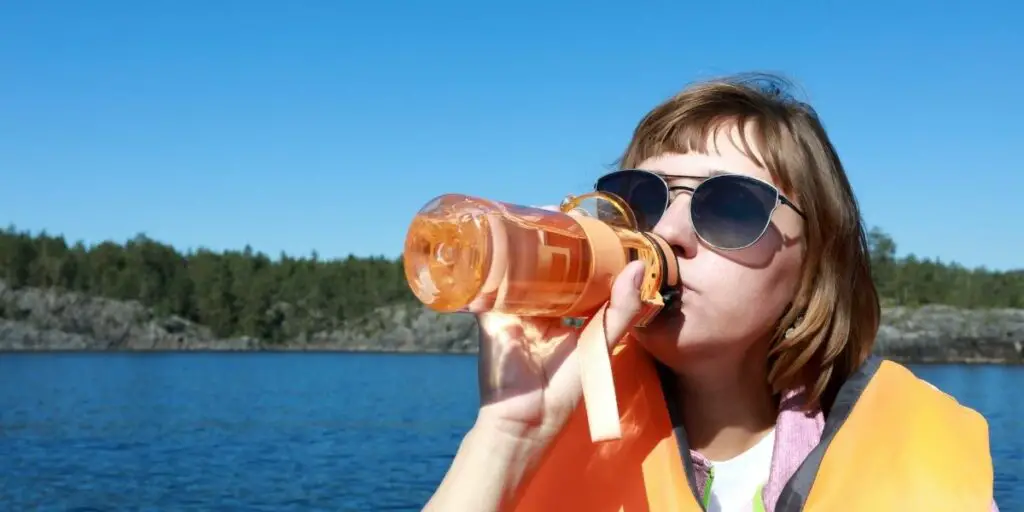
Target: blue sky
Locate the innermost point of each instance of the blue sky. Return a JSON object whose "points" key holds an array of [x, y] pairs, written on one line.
{"points": [[325, 125]]}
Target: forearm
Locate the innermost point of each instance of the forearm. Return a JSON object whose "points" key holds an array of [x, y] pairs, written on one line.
{"points": [[485, 473]]}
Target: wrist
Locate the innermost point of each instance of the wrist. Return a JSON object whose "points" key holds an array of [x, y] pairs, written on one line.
{"points": [[516, 440], [487, 470]]}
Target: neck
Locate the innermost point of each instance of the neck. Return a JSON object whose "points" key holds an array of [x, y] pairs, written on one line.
{"points": [[727, 405]]}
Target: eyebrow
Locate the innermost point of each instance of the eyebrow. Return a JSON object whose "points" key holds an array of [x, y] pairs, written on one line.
{"points": [[711, 174]]}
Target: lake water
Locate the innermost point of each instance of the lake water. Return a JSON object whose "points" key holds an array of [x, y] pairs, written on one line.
{"points": [[90, 432]]}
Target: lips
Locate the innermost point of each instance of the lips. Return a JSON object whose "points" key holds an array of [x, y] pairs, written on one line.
{"points": [[678, 252]]}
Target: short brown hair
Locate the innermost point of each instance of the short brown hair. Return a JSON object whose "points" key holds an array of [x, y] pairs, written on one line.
{"points": [[835, 312]]}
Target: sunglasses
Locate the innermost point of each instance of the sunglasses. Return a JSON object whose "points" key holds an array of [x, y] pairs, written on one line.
{"points": [[728, 211]]}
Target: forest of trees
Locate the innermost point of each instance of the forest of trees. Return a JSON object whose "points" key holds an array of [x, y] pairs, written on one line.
{"points": [[248, 293]]}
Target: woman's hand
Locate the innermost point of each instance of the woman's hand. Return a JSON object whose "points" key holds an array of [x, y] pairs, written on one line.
{"points": [[529, 382], [529, 376]]}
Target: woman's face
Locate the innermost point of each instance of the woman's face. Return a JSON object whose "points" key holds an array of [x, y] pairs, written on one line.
{"points": [[730, 299]]}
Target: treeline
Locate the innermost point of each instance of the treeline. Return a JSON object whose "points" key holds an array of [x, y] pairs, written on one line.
{"points": [[232, 292], [913, 281], [247, 293]]}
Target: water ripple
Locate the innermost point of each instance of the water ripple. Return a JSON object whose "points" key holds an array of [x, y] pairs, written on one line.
{"points": [[81, 432]]}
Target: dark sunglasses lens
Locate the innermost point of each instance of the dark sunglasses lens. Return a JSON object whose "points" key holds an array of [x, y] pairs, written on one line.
{"points": [[730, 211], [645, 194]]}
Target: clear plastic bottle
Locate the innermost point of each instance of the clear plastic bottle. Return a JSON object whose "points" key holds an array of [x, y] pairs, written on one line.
{"points": [[469, 254]]}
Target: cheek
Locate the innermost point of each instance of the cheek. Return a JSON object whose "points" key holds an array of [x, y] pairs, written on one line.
{"points": [[739, 299], [736, 303]]}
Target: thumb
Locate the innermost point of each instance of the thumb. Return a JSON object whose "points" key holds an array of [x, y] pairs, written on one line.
{"points": [[625, 302]]}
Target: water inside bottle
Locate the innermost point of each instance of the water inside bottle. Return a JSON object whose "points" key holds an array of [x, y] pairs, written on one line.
{"points": [[473, 255]]}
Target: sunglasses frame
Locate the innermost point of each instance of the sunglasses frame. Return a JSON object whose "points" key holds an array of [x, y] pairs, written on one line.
{"points": [[780, 199]]}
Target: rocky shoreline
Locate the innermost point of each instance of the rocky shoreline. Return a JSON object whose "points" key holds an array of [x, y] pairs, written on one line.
{"points": [[34, 319]]}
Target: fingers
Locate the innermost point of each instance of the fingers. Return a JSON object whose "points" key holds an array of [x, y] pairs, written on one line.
{"points": [[492, 322], [623, 306], [503, 328], [625, 302]]}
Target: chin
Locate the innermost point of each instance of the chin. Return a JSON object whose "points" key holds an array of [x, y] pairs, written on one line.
{"points": [[672, 341], [666, 330]]}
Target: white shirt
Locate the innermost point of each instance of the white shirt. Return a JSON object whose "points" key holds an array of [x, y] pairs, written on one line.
{"points": [[736, 481]]}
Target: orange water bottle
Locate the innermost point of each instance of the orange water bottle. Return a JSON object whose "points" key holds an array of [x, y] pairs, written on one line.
{"points": [[468, 254], [471, 254]]}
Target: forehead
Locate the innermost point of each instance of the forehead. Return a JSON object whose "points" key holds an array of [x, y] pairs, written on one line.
{"points": [[725, 155]]}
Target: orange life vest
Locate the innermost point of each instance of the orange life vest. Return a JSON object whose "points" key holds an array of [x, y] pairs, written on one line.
{"points": [[891, 442]]}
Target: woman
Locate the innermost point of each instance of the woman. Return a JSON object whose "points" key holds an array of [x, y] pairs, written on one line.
{"points": [[767, 397]]}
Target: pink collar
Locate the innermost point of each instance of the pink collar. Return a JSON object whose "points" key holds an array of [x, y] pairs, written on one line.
{"points": [[796, 434]]}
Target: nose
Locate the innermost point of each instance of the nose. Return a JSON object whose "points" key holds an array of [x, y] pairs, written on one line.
{"points": [[676, 227]]}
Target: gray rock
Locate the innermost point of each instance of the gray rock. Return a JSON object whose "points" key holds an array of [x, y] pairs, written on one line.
{"points": [[937, 333], [36, 319]]}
